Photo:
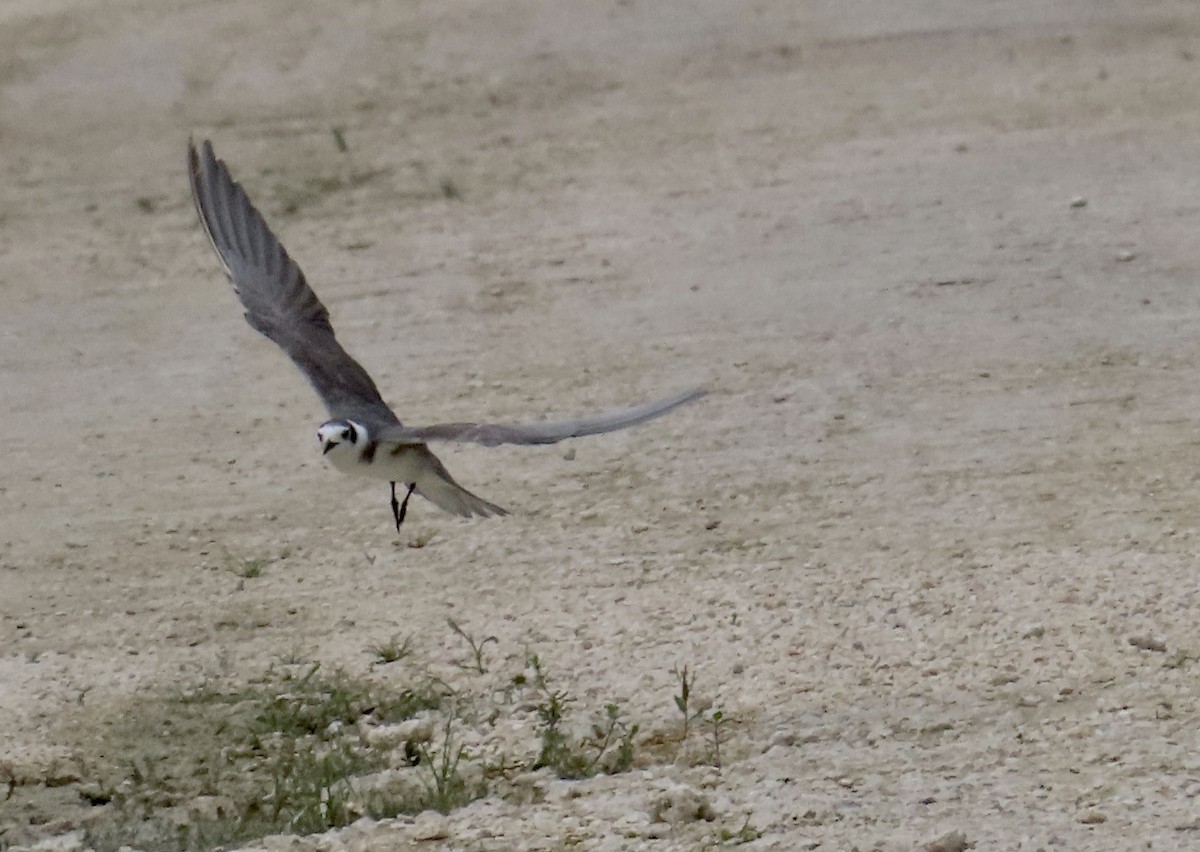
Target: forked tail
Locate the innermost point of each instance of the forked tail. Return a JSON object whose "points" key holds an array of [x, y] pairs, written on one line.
{"points": [[440, 489]]}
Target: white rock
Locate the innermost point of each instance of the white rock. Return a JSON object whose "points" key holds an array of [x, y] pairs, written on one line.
{"points": [[418, 730], [430, 825], [70, 842], [680, 803]]}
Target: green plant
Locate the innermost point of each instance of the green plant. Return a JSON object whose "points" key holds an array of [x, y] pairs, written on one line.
{"points": [[309, 705], [609, 749], [391, 651], [476, 647], [248, 569], [311, 789], [339, 139], [718, 721], [620, 735], [556, 751], [282, 754], [746, 834], [446, 787], [683, 699]]}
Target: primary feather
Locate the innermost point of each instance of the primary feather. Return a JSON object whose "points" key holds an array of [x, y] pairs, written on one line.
{"points": [[494, 434], [278, 301]]}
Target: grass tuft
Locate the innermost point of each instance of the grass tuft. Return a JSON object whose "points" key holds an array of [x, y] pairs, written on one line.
{"points": [[391, 651], [284, 755]]}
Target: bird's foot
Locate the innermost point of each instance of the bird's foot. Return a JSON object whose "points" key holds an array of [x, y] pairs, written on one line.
{"points": [[400, 509]]}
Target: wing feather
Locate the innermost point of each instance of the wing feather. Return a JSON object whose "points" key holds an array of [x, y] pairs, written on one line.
{"points": [[272, 288], [493, 434]]}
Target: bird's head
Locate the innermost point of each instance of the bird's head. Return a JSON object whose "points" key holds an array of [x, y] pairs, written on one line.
{"points": [[340, 435]]}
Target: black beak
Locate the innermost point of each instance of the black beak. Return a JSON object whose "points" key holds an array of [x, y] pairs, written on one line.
{"points": [[329, 445]]}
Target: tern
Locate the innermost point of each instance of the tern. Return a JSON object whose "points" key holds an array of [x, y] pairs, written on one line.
{"points": [[364, 436]]}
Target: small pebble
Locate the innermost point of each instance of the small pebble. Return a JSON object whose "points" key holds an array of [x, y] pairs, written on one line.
{"points": [[1125, 255], [955, 841], [783, 739], [1148, 643]]}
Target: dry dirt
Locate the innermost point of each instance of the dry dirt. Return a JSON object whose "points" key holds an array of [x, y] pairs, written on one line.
{"points": [[930, 544]]}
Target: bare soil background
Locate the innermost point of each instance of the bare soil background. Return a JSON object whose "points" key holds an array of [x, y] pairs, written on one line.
{"points": [[930, 544]]}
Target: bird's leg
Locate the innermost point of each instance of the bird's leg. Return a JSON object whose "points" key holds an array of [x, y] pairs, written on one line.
{"points": [[412, 486], [399, 510]]}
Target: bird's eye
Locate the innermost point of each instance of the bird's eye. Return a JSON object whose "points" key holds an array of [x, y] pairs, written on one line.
{"points": [[346, 435]]}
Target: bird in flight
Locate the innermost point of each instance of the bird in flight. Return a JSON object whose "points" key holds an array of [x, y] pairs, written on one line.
{"points": [[363, 436]]}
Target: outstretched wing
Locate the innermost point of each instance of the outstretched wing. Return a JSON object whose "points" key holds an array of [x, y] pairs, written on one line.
{"points": [[278, 301], [492, 434]]}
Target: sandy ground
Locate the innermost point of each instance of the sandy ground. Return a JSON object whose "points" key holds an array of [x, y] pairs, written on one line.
{"points": [[950, 441]]}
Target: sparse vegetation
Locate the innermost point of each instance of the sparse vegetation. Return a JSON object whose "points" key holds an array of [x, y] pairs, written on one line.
{"points": [[248, 569], [476, 646], [446, 786], [718, 722], [609, 749], [283, 755], [391, 651], [339, 139], [683, 700], [304, 749], [746, 834]]}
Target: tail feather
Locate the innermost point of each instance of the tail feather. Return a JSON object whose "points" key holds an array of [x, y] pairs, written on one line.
{"points": [[440, 489]]}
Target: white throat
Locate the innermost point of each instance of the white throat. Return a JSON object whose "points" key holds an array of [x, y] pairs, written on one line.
{"points": [[343, 454]]}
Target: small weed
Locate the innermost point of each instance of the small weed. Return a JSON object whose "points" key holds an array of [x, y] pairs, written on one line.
{"points": [[619, 735], [310, 705], [391, 651], [248, 569], [449, 189], [280, 755], [683, 699], [339, 139], [311, 789], [476, 647], [746, 834], [446, 787], [609, 749], [10, 782], [556, 751], [718, 722]]}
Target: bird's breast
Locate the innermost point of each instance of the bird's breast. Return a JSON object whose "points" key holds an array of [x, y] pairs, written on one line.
{"points": [[392, 462]]}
